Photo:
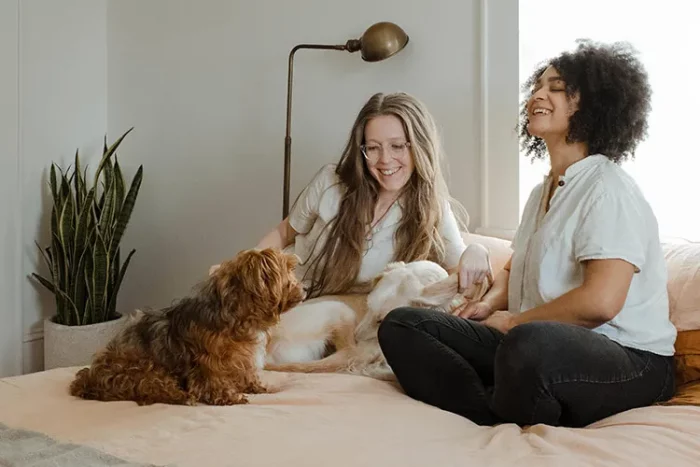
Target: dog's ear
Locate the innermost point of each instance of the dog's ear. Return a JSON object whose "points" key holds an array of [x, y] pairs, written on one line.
{"points": [[253, 279], [388, 268], [441, 292], [438, 293], [394, 265], [376, 280], [292, 260]]}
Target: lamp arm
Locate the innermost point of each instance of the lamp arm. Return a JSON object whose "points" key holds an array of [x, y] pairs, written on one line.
{"points": [[352, 45]]}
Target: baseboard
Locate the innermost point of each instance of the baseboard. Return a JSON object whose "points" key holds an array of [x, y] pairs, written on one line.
{"points": [[33, 336], [33, 355]]}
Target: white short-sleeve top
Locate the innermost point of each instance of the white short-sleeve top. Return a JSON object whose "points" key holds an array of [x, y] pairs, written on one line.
{"points": [[597, 211], [319, 203]]}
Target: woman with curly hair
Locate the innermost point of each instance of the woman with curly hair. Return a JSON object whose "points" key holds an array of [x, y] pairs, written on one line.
{"points": [[587, 332]]}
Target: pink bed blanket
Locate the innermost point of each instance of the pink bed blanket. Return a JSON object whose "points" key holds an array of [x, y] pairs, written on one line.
{"points": [[337, 421]]}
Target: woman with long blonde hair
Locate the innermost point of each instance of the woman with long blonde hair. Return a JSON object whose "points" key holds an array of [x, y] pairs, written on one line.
{"points": [[385, 200]]}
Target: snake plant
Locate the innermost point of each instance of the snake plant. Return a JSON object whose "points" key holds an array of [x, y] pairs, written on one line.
{"points": [[87, 226]]}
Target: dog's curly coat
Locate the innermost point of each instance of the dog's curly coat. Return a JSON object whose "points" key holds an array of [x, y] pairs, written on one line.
{"points": [[207, 348]]}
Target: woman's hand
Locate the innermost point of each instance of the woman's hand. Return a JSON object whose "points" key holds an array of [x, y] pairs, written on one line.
{"points": [[474, 266], [501, 320], [472, 310]]}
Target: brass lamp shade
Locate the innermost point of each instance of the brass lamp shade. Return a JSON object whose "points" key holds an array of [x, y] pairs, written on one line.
{"points": [[379, 42]]}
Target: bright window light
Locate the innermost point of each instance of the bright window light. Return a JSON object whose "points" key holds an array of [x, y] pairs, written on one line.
{"points": [[667, 36]]}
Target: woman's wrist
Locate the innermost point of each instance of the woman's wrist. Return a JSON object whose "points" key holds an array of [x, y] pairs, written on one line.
{"points": [[483, 311]]}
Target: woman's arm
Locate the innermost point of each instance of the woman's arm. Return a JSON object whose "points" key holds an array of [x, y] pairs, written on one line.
{"points": [[598, 300], [495, 299], [497, 296], [280, 237]]}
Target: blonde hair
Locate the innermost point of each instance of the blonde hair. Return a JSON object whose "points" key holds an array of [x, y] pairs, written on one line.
{"points": [[423, 199]]}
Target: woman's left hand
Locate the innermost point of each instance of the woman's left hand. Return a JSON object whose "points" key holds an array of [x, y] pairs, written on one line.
{"points": [[474, 266], [501, 320]]}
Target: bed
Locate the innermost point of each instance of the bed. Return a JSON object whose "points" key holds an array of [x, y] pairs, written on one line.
{"points": [[343, 420]]}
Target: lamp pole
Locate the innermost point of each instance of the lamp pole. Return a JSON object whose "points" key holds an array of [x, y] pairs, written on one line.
{"points": [[288, 133]]}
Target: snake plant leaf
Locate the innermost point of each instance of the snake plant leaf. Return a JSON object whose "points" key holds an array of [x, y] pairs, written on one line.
{"points": [[79, 290], [127, 209], [66, 229], [100, 277], [89, 312], [116, 264], [120, 186], [113, 275], [44, 254], [113, 300], [65, 186], [79, 184], [53, 183], [57, 273], [107, 213], [108, 154], [45, 282], [83, 183], [84, 223], [72, 312], [107, 173]]}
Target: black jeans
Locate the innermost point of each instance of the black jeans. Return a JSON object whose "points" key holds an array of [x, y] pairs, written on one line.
{"points": [[542, 372]]}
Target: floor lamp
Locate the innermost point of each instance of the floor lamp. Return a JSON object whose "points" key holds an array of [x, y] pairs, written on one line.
{"points": [[380, 41]]}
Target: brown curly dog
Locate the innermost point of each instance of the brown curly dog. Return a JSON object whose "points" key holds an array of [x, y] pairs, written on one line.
{"points": [[208, 348]]}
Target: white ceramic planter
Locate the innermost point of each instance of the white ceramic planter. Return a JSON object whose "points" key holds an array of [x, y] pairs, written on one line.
{"points": [[67, 346]]}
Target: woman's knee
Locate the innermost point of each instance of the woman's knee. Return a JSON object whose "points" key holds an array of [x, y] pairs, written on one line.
{"points": [[404, 316], [527, 349], [394, 321]]}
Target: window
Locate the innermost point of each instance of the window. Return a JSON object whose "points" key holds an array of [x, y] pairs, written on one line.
{"points": [[666, 34]]}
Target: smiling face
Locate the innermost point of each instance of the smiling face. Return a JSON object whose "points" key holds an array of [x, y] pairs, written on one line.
{"points": [[388, 153], [549, 109]]}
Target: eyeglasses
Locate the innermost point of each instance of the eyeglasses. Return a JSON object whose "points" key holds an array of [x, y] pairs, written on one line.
{"points": [[374, 151]]}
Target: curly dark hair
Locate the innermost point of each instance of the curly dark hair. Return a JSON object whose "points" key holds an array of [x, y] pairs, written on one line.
{"points": [[614, 99]]}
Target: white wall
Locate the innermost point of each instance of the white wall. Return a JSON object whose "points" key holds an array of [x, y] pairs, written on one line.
{"points": [[500, 194], [204, 83], [62, 106], [10, 317]]}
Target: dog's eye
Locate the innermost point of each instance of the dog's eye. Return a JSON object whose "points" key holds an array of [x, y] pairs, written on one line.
{"points": [[379, 321]]}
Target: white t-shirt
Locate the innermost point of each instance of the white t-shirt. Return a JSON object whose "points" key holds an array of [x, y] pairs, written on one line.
{"points": [[319, 203], [597, 212]]}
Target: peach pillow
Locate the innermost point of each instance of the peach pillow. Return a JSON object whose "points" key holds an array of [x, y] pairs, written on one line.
{"points": [[683, 264], [687, 361], [499, 249]]}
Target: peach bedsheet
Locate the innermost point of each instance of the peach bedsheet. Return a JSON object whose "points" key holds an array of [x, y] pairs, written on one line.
{"points": [[337, 421]]}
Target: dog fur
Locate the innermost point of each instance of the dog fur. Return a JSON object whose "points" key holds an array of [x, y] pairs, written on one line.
{"points": [[207, 348], [348, 326]]}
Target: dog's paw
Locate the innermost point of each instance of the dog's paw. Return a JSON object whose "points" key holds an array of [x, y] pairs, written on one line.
{"points": [[257, 388], [231, 397], [234, 398], [223, 397]]}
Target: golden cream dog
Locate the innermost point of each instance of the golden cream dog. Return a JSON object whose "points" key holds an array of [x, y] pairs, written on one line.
{"points": [[347, 326]]}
